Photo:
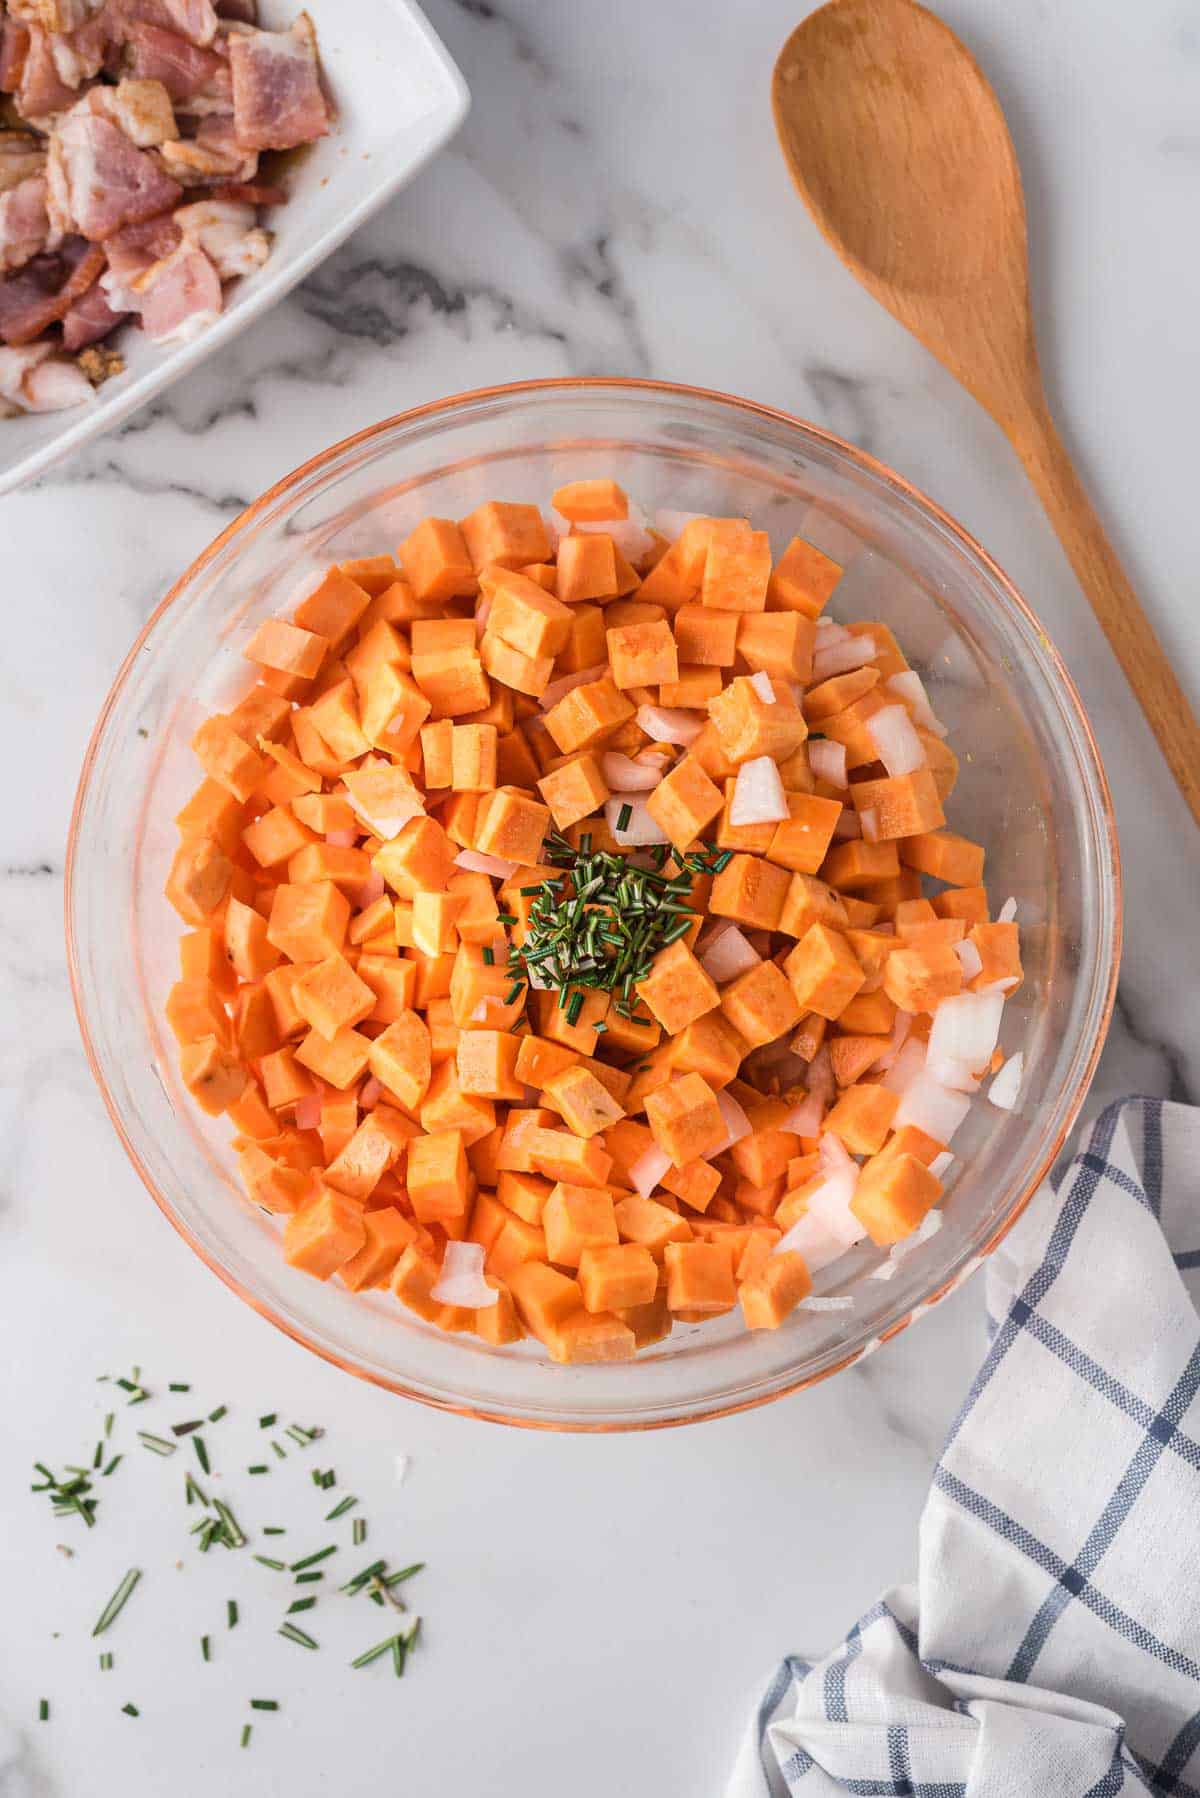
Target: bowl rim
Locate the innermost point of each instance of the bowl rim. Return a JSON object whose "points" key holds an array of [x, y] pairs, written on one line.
{"points": [[755, 409]]}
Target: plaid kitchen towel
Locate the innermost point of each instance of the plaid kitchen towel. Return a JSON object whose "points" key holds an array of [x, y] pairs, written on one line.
{"points": [[1051, 1645]]}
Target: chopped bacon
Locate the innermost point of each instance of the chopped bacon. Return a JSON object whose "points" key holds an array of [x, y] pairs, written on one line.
{"points": [[227, 234], [179, 296], [131, 252], [42, 92], [251, 193], [24, 226], [108, 181], [214, 154], [142, 109], [195, 20], [164, 56], [55, 15], [277, 98], [14, 46], [243, 12], [45, 289], [34, 379], [21, 155], [88, 319], [80, 55]]}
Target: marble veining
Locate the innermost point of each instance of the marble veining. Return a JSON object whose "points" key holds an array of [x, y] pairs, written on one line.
{"points": [[614, 205]]}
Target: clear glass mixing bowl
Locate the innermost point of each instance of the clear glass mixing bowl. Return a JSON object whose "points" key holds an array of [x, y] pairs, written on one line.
{"points": [[1031, 789]]}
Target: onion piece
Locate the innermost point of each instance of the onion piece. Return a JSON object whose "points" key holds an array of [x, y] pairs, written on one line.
{"points": [[810, 1238], [667, 724], [902, 1023], [461, 1280], [671, 523], [639, 831], [841, 656], [761, 682], [622, 773], [868, 822], [1000, 986], [1007, 1084], [648, 1170], [932, 1108], [389, 824], [558, 689], [475, 862], [308, 1112], [827, 625], [969, 956], [966, 1029], [827, 760], [1008, 912], [758, 795], [910, 688], [829, 1203], [629, 535], [906, 1067], [900, 748], [728, 955], [832, 1301], [956, 1076], [736, 1123], [941, 1164]]}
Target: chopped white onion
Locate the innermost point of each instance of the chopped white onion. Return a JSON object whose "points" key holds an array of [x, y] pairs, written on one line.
{"points": [[671, 523], [630, 535], [805, 1119], [308, 1112], [758, 795], [841, 656], [649, 1169], [1008, 912], [737, 1124], [911, 689], [622, 773], [868, 820], [929, 1226], [810, 1238], [728, 955], [931, 1108], [900, 748], [482, 612], [827, 760], [830, 1204], [667, 724], [830, 631], [969, 956], [389, 824], [906, 1067], [473, 861], [901, 1025], [848, 826], [941, 1164], [833, 1157], [1000, 986], [761, 682], [372, 1092], [558, 689], [955, 1075], [1007, 1084], [966, 1029], [479, 1015], [831, 1302], [639, 830], [461, 1280]]}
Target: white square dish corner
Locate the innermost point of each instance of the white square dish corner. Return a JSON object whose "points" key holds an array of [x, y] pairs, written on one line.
{"points": [[399, 98]]}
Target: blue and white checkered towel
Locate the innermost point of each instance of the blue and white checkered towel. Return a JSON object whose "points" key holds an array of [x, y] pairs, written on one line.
{"points": [[1051, 1645]]}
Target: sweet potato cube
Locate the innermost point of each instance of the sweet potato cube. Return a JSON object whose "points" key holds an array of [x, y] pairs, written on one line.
{"points": [[509, 534], [526, 1194], [375, 1146], [436, 1175], [387, 1233], [999, 947], [855, 865], [284, 1083], [777, 643], [560, 1155], [852, 1056], [420, 859], [750, 891], [543, 1297], [587, 568], [590, 502], [707, 638], [276, 836], [437, 564], [824, 972], [802, 580], [401, 1059], [393, 709], [511, 826], [525, 616], [968, 903], [862, 1118], [760, 1005], [334, 606], [699, 1278], [323, 1235], [650, 1323], [413, 1279], [479, 990], [513, 668], [574, 791], [588, 715], [436, 747], [585, 1105], [684, 803], [212, 811], [212, 1074], [749, 727], [434, 928], [677, 989], [810, 901], [650, 1223], [641, 655], [892, 1196], [272, 1184], [308, 923], [693, 689], [709, 1046], [453, 681], [227, 758], [737, 567], [330, 996], [486, 1062], [393, 982], [576, 1218], [919, 979], [588, 1337], [946, 856], [685, 1119], [200, 877], [772, 1293], [499, 1324], [901, 805], [286, 648], [339, 1059], [616, 1276], [801, 842]]}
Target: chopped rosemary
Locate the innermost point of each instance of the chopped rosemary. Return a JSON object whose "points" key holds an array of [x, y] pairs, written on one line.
{"points": [[301, 1604], [340, 1510], [281, 1452], [231, 1612], [218, 1414], [489, 957], [131, 1710], [265, 1423], [43, 1710], [201, 1453], [116, 1603], [69, 1497], [205, 1649], [307, 1579], [106, 1663], [266, 1561], [178, 1386], [246, 1732], [233, 1535], [185, 1429], [311, 1560], [274, 1529], [299, 1636], [111, 1466], [192, 1491], [358, 1530], [157, 1445], [264, 1704], [259, 1467]]}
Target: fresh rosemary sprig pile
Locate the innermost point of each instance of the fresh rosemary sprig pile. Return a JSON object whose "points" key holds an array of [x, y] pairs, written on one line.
{"points": [[600, 923]]}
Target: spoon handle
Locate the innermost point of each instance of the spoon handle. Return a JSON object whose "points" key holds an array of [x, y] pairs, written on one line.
{"points": [[1112, 597]]}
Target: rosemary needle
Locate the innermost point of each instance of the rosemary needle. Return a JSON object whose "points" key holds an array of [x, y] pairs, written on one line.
{"points": [[116, 1603]]}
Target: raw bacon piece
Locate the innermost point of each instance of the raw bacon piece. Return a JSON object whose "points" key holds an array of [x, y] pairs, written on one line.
{"points": [[245, 12], [21, 155], [14, 46], [214, 154], [142, 109], [35, 380], [24, 226], [88, 319], [277, 98], [131, 252], [227, 234], [165, 56], [79, 55], [179, 296], [42, 92], [37, 297], [106, 180], [55, 15], [195, 20]]}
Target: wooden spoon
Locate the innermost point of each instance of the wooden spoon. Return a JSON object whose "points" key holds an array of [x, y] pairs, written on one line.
{"points": [[900, 151]]}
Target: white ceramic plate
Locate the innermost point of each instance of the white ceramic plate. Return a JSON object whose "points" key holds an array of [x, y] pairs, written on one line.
{"points": [[398, 97]]}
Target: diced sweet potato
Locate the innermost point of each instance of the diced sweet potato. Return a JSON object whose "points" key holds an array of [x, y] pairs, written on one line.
{"points": [[892, 1196]]}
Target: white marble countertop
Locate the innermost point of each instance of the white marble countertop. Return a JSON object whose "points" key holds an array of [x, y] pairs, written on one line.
{"points": [[599, 1611]]}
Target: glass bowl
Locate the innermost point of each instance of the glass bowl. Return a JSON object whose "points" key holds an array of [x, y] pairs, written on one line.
{"points": [[1031, 789]]}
